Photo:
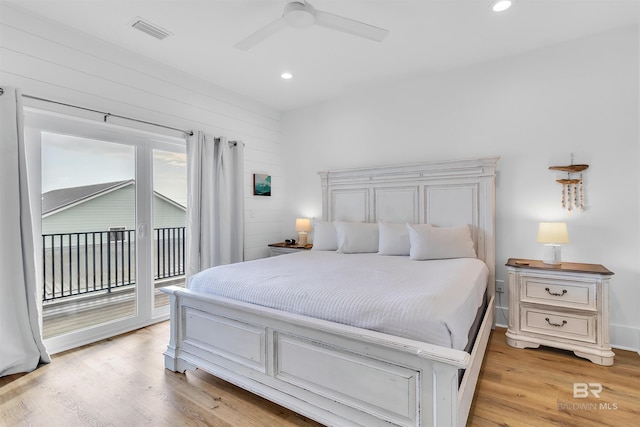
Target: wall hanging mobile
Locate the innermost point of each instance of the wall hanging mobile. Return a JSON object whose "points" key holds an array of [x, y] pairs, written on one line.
{"points": [[572, 186]]}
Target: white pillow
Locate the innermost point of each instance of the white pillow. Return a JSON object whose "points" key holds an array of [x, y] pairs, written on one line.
{"points": [[357, 237], [428, 242], [324, 236], [393, 239]]}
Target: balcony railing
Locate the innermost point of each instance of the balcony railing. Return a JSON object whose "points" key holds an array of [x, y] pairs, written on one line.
{"points": [[101, 261]]}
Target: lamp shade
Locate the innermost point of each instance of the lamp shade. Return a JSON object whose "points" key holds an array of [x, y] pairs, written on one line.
{"points": [[303, 224], [553, 232]]}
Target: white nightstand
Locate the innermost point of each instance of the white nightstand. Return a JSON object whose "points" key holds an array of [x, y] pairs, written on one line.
{"points": [[283, 248], [564, 306]]}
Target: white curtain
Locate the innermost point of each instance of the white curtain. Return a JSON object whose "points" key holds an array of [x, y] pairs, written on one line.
{"points": [[215, 202], [21, 346]]}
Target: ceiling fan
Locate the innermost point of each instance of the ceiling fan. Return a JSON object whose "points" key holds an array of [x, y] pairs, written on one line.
{"points": [[300, 14]]}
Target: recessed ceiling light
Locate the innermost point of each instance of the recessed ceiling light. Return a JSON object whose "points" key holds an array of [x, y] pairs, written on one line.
{"points": [[501, 5], [286, 76]]}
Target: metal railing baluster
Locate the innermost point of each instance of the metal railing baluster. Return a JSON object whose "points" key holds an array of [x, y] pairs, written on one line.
{"points": [[120, 260]]}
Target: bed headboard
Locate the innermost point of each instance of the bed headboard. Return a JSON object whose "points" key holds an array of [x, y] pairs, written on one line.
{"points": [[443, 193]]}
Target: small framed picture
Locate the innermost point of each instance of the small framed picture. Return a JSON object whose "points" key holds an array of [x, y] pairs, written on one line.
{"points": [[261, 184]]}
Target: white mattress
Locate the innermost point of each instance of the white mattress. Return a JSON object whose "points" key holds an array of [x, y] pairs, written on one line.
{"points": [[431, 301]]}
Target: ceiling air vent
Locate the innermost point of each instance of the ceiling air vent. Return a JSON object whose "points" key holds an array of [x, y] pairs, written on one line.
{"points": [[149, 28]]}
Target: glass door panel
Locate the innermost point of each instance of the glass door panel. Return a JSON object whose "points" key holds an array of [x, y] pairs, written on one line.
{"points": [[169, 220], [88, 232]]}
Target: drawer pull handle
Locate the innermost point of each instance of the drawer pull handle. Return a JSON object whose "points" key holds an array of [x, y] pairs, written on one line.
{"points": [[556, 294], [559, 325]]}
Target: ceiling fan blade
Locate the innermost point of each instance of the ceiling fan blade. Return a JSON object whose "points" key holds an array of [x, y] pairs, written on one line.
{"points": [[260, 35], [350, 26]]}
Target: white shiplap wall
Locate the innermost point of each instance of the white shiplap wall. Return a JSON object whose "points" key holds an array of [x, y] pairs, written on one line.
{"points": [[51, 61]]}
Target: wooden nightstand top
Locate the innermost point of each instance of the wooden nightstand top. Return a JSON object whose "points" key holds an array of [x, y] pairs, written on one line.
{"points": [[294, 246], [575, 267]]}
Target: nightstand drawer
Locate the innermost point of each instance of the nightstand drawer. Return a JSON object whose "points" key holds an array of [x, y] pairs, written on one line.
{"points": [[559, 292], [282, 251], [557, 324], [284, 248], [564, 306]]}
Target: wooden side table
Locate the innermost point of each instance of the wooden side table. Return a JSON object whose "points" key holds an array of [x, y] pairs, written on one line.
{"points": [[564, 306], [284, 248]]}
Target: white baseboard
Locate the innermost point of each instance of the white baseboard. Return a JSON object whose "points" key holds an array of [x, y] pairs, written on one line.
{"points": [[502, 317]]}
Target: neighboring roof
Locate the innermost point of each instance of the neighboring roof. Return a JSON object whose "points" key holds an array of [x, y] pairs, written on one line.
{"points": [[62, 198]]}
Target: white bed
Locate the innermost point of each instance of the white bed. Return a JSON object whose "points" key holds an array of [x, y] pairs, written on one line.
{"points": [[431, 301], [342, 374]]}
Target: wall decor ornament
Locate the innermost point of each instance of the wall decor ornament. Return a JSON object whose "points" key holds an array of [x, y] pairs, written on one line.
{"points": [[572, 186], [261, 184]]}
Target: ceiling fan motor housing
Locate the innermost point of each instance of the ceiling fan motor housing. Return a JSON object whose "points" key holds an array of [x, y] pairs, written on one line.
{"points": [[299, 15]]}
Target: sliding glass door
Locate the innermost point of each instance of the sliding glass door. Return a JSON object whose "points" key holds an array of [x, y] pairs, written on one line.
{"points": [[88, 232], [169, 220], [112, 219]]}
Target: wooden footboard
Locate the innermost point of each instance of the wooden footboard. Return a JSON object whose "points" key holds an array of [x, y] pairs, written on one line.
{"points": [[336, 374]]}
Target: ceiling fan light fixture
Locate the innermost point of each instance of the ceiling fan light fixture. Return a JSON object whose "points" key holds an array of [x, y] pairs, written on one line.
{"points": [[501, 5]]}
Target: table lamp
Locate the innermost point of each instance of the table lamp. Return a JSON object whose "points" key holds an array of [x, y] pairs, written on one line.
{"points": [[303, 225], [552, 234]]}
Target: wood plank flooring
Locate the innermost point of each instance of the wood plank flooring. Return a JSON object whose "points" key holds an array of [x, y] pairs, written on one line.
{"points": [[122, 382], [534, 387]]}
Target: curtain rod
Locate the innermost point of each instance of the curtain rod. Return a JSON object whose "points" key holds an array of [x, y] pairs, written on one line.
{"points": [[106, 115]]}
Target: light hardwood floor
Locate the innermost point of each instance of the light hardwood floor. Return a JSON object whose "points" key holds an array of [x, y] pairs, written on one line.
{"points": [[122, 382]]}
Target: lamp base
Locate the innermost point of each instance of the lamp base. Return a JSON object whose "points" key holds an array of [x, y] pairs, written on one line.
{"points": [[302, 238], [552, 254]]}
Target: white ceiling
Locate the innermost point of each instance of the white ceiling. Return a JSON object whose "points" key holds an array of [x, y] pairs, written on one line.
{"points": [[425, 36]]}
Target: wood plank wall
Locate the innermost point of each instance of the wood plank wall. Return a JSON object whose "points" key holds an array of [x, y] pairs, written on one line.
{"points": [[51, 61]]}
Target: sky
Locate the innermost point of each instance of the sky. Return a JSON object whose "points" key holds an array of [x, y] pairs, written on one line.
{"points": [[69, 161]]}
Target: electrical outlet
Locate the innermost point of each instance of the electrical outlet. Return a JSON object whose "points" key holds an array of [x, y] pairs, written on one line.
{"points": [[500, 286]]}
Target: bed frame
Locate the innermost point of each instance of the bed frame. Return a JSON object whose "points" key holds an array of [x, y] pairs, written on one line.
{"points": [[341, 375]]}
